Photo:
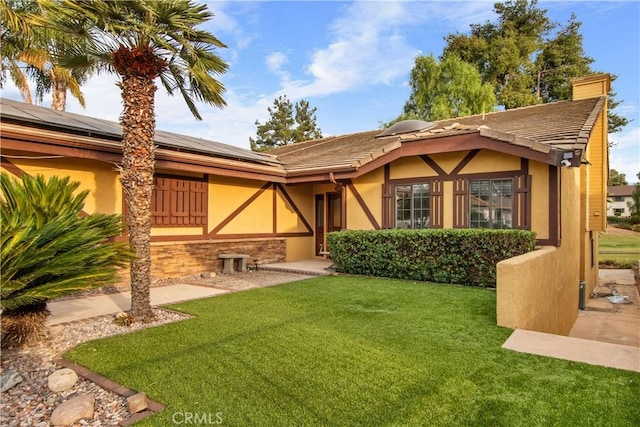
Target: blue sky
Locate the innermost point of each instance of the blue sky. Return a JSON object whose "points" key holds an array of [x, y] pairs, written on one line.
{"points": [[351, 60]]}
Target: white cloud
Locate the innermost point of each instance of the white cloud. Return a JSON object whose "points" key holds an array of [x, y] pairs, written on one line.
{"points": [[625, 155], [370, 46]]}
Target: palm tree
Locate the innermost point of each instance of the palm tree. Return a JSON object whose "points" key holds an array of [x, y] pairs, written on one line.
{"points": [[141, 40], [27, 55]]}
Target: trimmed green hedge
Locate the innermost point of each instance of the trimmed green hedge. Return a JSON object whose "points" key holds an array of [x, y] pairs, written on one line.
{"points": [[461, 256]]}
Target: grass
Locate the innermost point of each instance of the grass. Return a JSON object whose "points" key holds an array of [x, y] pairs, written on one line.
{"points": [[355, 351], [617, 242]]}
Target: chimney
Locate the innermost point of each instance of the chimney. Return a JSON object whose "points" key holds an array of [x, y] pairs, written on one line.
{"points": [[591, 86]]}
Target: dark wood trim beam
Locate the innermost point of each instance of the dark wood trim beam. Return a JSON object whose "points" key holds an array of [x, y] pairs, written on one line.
{"points": [[430, 162], [554, 207], [464, 162], [242, 207], [363, 205], [295, 208], [6, 163]]}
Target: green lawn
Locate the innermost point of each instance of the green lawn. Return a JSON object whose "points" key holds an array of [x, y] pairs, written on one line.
{"points": [[347, 351], [614, 242]]}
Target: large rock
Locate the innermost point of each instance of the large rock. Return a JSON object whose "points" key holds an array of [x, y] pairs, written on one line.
{"points": [[62, 380], [72, 410], [138, 402], [9, 379]]}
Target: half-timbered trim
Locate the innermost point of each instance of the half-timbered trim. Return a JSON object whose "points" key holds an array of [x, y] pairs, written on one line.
{"points": [[436, 203], [460, 203], [275, 187], [387, 198], [464, 162], [295, 208], [554, 238], [236, 212], [363, 205], [429, 161], [15, 170]]}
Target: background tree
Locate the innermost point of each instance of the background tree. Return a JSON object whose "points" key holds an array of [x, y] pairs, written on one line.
{"points": [[528, 58], [141, 40], [49, 250], [284, 127], [503, 51], [616, 178], [27, 56], [445, 89]]}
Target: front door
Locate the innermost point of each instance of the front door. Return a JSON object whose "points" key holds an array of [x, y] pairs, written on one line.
{"points": [[328, 218]]}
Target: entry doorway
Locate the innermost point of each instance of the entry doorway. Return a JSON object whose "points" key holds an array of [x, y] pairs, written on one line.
{"points": [[328, 218]]}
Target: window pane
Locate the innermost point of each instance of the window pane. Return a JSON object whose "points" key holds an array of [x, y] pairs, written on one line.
{"points": [[403, 206], [491, 203], [420, 205], [412, 206]]}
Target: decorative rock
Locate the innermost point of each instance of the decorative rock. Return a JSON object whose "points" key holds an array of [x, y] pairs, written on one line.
{"points": [[137, 402], [72, 410], [62, 380], [9, 379], [55, 330]]}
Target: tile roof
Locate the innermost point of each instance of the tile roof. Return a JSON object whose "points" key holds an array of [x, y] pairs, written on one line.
{"points": [[620, 190], [563, 125], [42, 116]]}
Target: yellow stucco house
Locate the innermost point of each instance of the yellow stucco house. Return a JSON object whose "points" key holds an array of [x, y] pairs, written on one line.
{"points": [[541, 168]]}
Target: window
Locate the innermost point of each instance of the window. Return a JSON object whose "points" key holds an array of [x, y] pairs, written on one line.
{"points": [[179, 201], [412, 206], [491, 203], [618, 198], [618, 212]]}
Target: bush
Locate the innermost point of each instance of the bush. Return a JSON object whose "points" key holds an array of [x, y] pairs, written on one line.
{"points": [[467, 257], [50, 250], [626, 222]]}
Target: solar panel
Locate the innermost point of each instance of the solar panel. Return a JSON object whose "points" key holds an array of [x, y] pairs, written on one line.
{"points": [[407, 126], [10, 109]]}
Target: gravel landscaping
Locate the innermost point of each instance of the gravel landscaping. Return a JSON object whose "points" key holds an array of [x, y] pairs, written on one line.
{"points": [[31, 402]]}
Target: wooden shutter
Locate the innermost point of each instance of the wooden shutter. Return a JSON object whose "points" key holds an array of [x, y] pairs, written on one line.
{"points": [[179, 202], [388, 207], [198, 202], [161, 201], [437, 208], [460, 203], [522, 202]]}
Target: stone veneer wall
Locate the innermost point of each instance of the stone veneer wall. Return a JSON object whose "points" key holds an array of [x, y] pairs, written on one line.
{"points": [[179, 259]]}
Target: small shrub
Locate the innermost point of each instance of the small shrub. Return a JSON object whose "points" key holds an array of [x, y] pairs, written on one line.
{"points": [[446, 256], [123, 319], [50, 250]]}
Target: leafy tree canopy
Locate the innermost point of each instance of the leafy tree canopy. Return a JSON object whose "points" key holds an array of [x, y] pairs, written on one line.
{"points": [[445, 89], [616, 178], [526, 57], [289, 123]]}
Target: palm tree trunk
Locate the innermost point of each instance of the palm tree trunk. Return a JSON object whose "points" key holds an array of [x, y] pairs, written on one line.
{"points": [[59, 96], [138, 127]]}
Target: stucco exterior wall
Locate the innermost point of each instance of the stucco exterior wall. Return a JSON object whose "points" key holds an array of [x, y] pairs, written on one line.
{"points": [[369, 186], [99, 177], [539, 290]]}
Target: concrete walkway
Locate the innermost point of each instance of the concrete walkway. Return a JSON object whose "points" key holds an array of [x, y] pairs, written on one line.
{"points": [[71, 310], [605, 334]]}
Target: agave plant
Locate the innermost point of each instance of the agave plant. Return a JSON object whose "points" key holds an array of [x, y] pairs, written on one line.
{"points": [[50, 249]]}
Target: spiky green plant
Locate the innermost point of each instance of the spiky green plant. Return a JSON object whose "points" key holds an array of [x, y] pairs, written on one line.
{"points": [[50, 249]]}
